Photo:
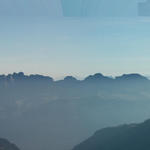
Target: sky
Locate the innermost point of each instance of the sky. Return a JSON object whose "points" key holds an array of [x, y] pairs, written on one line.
{"points": [[77, 45]]}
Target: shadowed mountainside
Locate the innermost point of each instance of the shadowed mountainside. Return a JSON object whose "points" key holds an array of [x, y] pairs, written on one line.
{"points": [[130, 137], [6, 145]]}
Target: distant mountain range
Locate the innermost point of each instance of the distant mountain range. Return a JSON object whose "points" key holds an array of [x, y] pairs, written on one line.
{"points": [[91, 78], [21, 77], [60, 114], [6, 145], [124, 137]]}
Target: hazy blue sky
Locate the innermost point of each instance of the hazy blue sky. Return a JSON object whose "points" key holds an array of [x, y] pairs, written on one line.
{"points": [[59, 46]]}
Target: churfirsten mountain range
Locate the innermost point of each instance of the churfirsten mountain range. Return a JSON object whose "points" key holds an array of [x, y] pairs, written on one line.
{"points": [[91, 78], [60, 114]]}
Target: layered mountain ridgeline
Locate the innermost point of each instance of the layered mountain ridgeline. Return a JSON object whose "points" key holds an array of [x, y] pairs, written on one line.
{"points": [[20, 89], [21, 93], [93, 85], [125, 137], [96, 78], [69, 110], [6, 145]]}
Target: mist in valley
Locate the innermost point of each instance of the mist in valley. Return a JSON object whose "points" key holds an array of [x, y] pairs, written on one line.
{"points": [[37, 112]]}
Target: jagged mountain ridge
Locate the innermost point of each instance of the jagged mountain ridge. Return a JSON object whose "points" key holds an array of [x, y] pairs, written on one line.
{"points": [[95, 77]]}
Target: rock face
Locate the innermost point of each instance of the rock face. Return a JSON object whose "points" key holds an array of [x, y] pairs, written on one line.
{"points": [[125, 137], [6, 145]]}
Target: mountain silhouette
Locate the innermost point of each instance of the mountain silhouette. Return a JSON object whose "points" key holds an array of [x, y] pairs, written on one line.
{"points": [[130, 77], [41, 107], [124, 137], [97, 78], [70, 79], [6, 145], [22, 77], [91, 78]]}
